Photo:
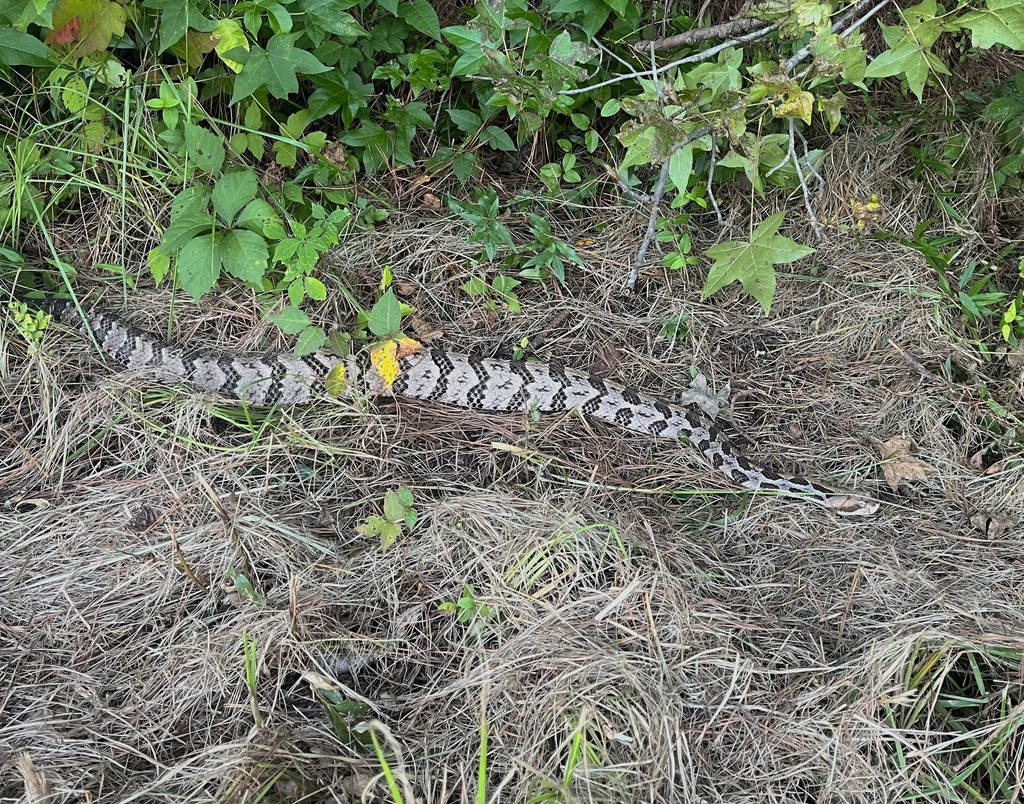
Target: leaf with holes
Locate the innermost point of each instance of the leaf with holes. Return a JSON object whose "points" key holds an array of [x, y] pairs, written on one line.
{"points": [[244, 255], [233, 191]]}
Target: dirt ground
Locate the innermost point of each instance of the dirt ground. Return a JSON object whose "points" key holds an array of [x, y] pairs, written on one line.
{"points": [[642, 631]]}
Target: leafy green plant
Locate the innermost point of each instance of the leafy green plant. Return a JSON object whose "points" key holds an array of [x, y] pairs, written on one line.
{"points": [[549, 255], [30, 324], [467, 608], [487, 229], [555, 173], [217, 229], [499, 293], [399, 513]]}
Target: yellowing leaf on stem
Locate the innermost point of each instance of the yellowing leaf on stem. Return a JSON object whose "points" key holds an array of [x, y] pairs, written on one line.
{"points": [[228, 35], [797, 104]]}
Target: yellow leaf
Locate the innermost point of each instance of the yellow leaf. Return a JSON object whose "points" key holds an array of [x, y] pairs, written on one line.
{"points": [[384, 358], [228, 35], [798, 104], [337, 381]]}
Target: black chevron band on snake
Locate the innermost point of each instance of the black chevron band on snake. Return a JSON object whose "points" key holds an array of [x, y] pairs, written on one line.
{"points": [[447, 379]]}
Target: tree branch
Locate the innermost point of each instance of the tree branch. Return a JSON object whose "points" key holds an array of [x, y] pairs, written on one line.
{"points": [[721, 31]]}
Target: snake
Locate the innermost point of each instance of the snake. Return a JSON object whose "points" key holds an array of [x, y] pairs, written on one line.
{"points": [[432, 374]]}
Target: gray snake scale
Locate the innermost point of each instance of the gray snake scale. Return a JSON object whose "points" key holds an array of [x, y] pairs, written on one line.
{"points": [[447, 379]]}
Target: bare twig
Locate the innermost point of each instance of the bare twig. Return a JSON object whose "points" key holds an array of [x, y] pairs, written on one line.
{"points": [[704, 55], [720, 31], [711, 176], [652, 223]]}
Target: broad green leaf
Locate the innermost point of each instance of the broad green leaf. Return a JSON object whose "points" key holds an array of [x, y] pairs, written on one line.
{"points": [[420, 15], [310, 339], [198, 265], [233, 191], [1001, 22], [680, 166], [467, 121], [75, 95], [176, 18], [191, 200], [316, 289], [331, 16], [159, 264], [204, 148], [386, 316], [638, 143], [256, 215], [291, 320], [18, 48], [498, 139], [244, 255], [275, 68], [184, 227], [751, 263]]}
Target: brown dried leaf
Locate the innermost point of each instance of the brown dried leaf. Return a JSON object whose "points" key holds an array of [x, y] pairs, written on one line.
{"points": [[994, 525], [898, 464]]}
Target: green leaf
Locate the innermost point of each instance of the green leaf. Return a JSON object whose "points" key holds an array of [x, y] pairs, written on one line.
{"points": [[310, 339], [275, 68], [420, 15], [291, 320], [159, 264], [464, 165], [680, 166], [244, 255], [198, 265], [467, 121], [497, 138], [204, 148], [389, 533], [256, 215], [184, 227], [394, 510], [750, 263], [233, 191], [316, 289], [1000, 23], [331, 16], [176, 18], [18, 48], [386, 316]]}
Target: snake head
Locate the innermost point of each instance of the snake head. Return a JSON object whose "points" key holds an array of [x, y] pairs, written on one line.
{"points": [[851, 505]]}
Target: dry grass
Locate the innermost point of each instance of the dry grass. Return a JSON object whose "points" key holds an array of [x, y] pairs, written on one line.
{"points": [[762, 657]]}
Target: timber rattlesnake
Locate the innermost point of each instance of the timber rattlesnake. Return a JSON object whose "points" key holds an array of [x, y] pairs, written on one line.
{"points": [[447, 379]]}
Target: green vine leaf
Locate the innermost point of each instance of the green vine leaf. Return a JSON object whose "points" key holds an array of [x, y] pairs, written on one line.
{"points": [[1000, 23], [275, 68], [751, 263]]}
